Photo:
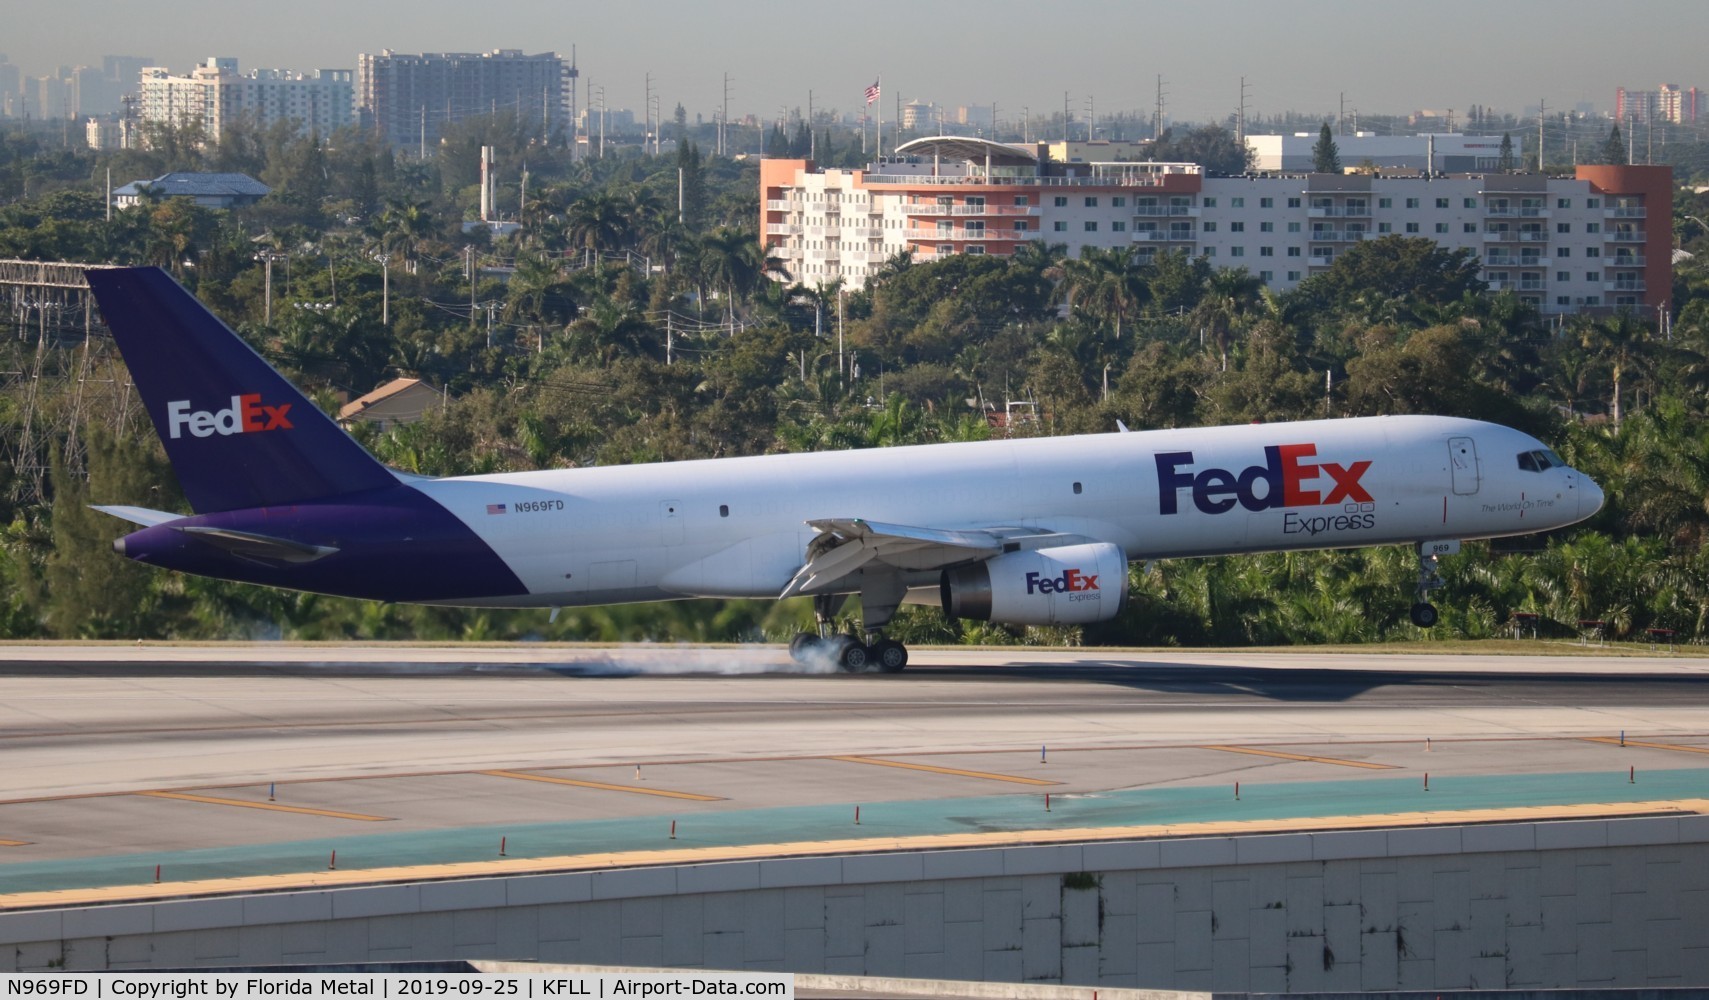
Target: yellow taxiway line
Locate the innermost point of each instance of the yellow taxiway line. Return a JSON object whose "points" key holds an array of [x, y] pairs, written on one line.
{"points": [[603, 786], [956, 771], [1611, 741], [271, 806], [1303, 757]]}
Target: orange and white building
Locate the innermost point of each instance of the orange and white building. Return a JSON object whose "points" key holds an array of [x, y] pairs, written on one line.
{"points": [[1566, 244]]}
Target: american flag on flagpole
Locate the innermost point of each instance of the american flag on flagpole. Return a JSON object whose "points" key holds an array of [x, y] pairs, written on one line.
{"points": [[872, 92]]}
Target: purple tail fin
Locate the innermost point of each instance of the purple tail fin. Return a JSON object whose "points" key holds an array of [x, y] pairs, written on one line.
{"points": [[237, 433]]}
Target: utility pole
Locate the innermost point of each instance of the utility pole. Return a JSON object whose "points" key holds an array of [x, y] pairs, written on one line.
{"points": [[812, 133], [1541, 108], [1240, 132], [647, 112], [422, 153], [724, 120], [1091, 118], [385, 260], [1067, 116], [1341, 119], [267, 257], [1157, 116]]}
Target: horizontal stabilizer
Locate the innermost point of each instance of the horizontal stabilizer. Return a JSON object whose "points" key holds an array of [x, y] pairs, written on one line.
{"points": [[259, 548], [137, 515]]}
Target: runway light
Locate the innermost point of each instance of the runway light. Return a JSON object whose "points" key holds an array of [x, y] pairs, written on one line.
{"points": [[1426, 744], [1041, 756], [857, 815], [1237, 791], [1047, 802], [637, 772], [157, 874], [673, 829], [1632, 775], [332, 865], [270, 789], [1427, 781], [501, 845]]}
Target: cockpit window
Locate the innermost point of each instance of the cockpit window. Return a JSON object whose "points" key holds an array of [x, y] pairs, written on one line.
{"points": [[1540, 461]]}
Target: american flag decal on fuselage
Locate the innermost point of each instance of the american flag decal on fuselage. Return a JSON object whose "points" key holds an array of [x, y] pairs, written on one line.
{"points": [[495, 508]]}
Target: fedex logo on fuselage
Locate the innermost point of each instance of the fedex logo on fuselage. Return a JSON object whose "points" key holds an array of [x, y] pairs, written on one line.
{"points": [[1279, 482], [246, 415], [1070, 582]]}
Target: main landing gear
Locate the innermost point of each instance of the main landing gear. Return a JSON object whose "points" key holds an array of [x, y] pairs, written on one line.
{"points": [[849, 653], [1429, 578]]}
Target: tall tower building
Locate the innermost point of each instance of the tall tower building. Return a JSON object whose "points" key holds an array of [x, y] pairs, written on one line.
{"points": [[410, 99]]}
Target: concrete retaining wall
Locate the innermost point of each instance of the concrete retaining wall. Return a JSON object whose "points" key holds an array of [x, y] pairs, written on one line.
{"points": [[1618, 903]]}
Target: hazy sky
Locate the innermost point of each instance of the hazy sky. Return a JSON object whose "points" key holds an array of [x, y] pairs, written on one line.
{"points": [[1385, 56]]}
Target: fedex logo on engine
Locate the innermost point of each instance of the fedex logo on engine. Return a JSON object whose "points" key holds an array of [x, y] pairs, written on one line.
{"points": [[1279, 482], [246, 415], [1070, 582]]}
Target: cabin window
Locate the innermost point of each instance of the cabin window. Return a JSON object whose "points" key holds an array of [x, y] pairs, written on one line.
{"points": [[723, 510], [1076, 489]]}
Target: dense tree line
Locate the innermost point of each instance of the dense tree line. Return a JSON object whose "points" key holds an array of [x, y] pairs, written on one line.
{"points": [[622, 324]]}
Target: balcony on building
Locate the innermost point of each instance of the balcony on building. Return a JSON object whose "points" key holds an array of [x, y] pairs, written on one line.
{"points": [[962, 160], [1626, 236], [1623, 286], [1626, 260]]}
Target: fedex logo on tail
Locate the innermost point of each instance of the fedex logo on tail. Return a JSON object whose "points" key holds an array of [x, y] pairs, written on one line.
{"points": [[1280, 482], [246, 415], [1070, 582]]}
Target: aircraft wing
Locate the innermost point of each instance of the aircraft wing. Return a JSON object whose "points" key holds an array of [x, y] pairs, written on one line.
{"points": [[846, 544]]}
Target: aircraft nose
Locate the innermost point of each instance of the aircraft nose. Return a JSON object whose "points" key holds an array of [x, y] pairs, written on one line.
{"points": [[1590, 496]]}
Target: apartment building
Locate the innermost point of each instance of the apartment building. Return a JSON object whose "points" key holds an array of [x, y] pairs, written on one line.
{"points": [[1667, 103], [216, 94], [1565, 244], [409, 99]]}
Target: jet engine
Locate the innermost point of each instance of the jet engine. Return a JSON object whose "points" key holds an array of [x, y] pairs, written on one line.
{"points": [[1066, 585]]}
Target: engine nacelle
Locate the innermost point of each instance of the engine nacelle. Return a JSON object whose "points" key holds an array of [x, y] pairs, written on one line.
{"points": [[1066, 585]]}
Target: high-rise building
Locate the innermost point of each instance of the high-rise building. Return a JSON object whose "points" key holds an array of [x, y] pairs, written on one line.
{"points": [[408, 100], [1564, 244], [216, 94], [1667, 103]]}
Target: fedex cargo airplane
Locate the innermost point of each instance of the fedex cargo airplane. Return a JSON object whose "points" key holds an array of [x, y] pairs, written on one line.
{"points": [[1029, 532]]}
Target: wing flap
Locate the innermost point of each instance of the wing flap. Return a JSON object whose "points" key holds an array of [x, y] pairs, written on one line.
{"points": [[846, 544]]}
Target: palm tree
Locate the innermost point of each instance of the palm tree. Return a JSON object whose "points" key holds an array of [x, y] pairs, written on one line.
{"points": [[598, 223], [403, 226], [733, 261], [1107, 283], [1229, 295]]}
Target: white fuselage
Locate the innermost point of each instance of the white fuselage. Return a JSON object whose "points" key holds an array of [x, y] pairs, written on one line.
{"points": [[737, 527]]}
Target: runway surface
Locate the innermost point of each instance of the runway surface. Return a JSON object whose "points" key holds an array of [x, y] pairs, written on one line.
{"points": [[114, 751]]}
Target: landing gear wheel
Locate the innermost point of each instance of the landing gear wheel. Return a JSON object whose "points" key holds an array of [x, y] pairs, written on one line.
{"points": [[851, 655], [890, 655], [802, 645], [1424, 615]]}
